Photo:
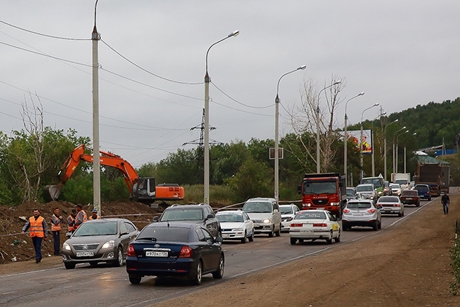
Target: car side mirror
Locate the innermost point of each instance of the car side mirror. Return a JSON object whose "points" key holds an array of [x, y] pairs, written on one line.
{"points": [[156, 218], [210, 216]]}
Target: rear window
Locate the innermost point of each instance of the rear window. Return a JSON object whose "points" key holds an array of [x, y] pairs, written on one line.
{"points": [[421, 188], [409, 193], [308, 215], [359, 205], [165, 234], [388, 199]]}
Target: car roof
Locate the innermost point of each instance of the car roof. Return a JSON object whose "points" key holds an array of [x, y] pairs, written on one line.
{"points": [[290, 205], [239, 212], [172, 224], [187, 206], [364, 184], [110, 219]]}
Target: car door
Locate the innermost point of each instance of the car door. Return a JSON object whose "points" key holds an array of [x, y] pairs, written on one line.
{"points": [[276, 215], [124, 236], [210, 252], [212, 223], [248, 224]]}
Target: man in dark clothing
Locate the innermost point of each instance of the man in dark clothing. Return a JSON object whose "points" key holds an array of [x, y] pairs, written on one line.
{"points": [[38, 231], [445, 202]]}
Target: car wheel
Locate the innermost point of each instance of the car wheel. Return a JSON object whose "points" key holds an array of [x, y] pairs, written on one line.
{"points": [[380, 224], [375, 225], [337, 240], [293, 241], [244, 238], [69, 265], [198, 275], [135, 279], [278, 233], [429, 198], [344, 226], [329, 240], [118, 262], [271, 233], [251, 238], [418, 204], [219, 273]]}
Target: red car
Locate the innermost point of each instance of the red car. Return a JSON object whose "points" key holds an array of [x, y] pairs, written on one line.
{"points": [[410, 197]]}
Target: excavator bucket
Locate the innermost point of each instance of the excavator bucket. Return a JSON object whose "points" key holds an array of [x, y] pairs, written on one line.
{"points": [[51, 192]]}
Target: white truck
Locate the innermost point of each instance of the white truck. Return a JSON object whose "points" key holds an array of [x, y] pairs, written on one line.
{"points": [[403, 179]]}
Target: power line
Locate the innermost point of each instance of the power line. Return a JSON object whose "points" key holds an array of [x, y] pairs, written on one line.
{"points": [[45, 35], [243, 104], [145, 70]]}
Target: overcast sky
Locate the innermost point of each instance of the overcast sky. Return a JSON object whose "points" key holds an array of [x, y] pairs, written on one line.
{"points": [[400, 53]]}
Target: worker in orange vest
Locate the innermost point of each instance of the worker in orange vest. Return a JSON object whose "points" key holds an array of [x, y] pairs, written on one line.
{"points": [[56, 222], [81, 216], [94, 215], [71, 221], [38, 231]]}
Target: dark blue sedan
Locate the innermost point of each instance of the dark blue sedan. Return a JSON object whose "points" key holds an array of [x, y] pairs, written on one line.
{"points": [[175, 249]]}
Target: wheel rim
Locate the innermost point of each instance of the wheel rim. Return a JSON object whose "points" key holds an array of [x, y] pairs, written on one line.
{"points": [[198, 273], [221, 266], [120, 257]]}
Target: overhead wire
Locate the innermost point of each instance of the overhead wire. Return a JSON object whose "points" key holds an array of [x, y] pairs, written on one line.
{"points": [[243, 104]]}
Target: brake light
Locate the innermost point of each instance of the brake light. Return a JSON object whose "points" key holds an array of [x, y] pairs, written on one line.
{"points": [[396, 205], [296, 225], [186, 252], [371, 210], [346, 210], [319, 225], [131, 251]]}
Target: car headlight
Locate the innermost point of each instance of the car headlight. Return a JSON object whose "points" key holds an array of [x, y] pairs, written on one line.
{"points": [[66, 246], [289, 219], [267, 221], [335, 203], [306, 205], [109, 244]]}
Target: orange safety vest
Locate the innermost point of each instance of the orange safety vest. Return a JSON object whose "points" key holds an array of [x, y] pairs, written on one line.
{"points": [[91, 217], [70, 223], [85, 218], [55, 227], [36, 227]]}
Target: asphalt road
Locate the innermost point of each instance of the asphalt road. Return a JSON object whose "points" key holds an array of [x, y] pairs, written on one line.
{"points": [[108, 286]]}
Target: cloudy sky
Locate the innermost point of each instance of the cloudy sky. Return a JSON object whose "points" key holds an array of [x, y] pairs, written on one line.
{"points": [[152, 64]]}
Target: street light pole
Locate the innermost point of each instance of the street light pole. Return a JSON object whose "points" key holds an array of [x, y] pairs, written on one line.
{"points": [[277, 103], [361, 137], [396, 157], [318, 154], [207, 80], [415, 133], [345, 140], [385, 149], [394, 134], [95, 37]]}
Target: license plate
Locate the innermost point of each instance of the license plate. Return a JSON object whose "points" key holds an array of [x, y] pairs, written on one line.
{"points": [[306, 231], [85, 254], [409, 198], [156, 254], [358, 214], [225, 235]]}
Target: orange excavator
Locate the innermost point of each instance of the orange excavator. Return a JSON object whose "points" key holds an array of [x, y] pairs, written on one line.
{"points": [[141, 189]]}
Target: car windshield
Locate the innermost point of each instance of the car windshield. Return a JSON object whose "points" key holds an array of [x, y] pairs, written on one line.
{"points": [[165, 234], [401, 181], [377, 182], [286, 210], [388, 199], [308, 215], [96, 229], [257, 207], [351, 192], [230, 217], [359, 205], [364, 188], [182, 215], [395, 186], [319, 187]]}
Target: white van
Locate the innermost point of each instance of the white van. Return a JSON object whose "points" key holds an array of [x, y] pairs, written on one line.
{"points": [[265, 213]]}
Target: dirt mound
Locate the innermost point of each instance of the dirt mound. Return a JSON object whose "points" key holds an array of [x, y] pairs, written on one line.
{"points": [[17, 247]]}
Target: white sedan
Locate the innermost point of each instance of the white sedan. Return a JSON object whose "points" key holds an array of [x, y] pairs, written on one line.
{"points": [[288, 212], [236, 225], [313, 225]]}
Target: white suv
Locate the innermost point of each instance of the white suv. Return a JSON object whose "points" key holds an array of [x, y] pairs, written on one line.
{"points": [[265, 214]]}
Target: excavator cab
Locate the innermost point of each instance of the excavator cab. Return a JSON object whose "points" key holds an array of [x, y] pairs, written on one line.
{"points": [[144, 190]]}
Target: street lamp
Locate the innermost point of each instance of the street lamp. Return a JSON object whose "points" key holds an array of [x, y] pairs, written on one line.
{"points": [[345, 140], [394, 135], [372, 145], [207, 80], [277, 103], [95, 37], [361, 136], [415, 133], [396, 153], [318, 158], [385, 148]]}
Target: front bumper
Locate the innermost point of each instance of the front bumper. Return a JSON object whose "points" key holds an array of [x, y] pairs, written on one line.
{"points": [[99, 256], [263, 227]]}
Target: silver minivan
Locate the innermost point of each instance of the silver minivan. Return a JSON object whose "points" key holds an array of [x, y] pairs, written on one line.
{"points": [[265, 214]]}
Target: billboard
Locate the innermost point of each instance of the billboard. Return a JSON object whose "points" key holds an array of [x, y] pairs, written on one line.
{"points": [[354, 136]]}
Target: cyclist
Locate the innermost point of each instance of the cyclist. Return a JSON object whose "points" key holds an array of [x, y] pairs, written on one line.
{"points": [[445, 202]]}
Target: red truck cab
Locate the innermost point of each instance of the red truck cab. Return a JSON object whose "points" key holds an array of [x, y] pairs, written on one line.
{"points": [[323, 191]]}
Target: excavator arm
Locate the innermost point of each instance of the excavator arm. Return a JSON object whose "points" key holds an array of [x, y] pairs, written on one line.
{"points": [[106, 158]]}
